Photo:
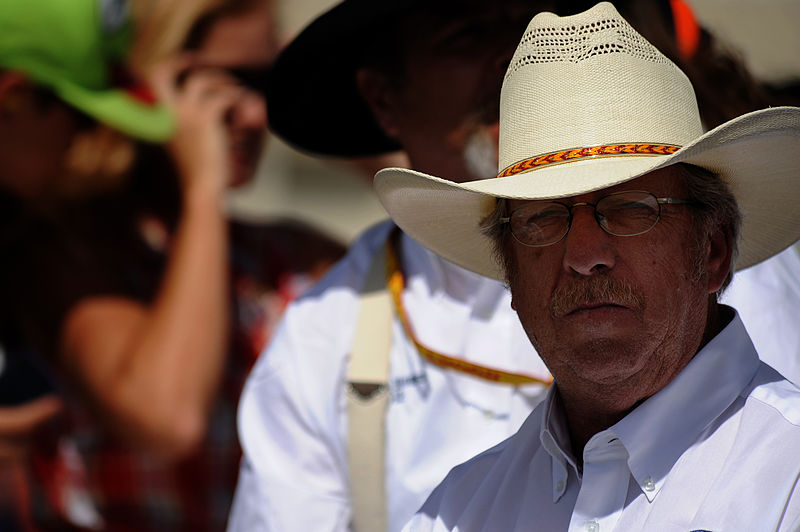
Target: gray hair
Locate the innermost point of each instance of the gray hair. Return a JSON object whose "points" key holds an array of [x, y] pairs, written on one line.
{"points": [[714, 207], [497, 231]]}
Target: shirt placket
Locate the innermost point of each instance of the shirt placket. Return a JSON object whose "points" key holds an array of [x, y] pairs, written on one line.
{"points": [[604, 485]]}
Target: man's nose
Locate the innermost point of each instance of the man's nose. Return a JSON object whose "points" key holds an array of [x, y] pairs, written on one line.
{"points": [[588, 249]]}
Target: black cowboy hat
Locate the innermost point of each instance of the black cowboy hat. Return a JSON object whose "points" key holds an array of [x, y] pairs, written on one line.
{"points": [[313, 100], [314, 103]]}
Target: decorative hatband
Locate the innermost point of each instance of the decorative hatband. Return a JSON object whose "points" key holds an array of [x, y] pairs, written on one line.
{"points": [[609, 150]]}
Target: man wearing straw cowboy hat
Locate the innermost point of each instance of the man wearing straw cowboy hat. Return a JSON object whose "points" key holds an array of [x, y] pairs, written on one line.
{"points": [[616, 222], [329, 97]]}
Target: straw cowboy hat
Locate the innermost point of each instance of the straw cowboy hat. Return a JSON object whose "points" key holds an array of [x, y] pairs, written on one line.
{"points": [[588, 103]]}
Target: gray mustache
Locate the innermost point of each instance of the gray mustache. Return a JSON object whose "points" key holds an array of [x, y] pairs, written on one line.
{"points": [[593, 291]]}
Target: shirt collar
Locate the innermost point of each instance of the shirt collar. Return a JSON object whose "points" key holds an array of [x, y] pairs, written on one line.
{"points": [[554, 437], [658, 431]]}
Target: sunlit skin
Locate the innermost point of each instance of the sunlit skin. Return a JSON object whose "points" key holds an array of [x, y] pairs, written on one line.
{"points": [[243, 40], [606, 356]]}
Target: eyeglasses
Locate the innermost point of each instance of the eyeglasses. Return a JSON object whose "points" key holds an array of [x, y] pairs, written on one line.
{"points": [[627, 213]]}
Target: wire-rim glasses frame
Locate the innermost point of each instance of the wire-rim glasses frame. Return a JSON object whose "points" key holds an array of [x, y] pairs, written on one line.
{"points": [[625, 213]]}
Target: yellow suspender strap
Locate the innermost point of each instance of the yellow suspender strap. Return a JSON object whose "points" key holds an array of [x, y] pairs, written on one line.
{"points": [[368, 379], [396, 286]]}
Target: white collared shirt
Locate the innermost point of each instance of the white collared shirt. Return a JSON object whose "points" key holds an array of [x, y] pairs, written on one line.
{"points": [[292, 414], [767, 297], [717, 449]]}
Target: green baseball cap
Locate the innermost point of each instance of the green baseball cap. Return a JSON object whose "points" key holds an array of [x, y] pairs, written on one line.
{"points": [[77, 48]]}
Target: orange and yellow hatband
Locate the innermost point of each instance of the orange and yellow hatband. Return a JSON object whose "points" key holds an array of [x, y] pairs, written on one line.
{"points": [[608, 150]]}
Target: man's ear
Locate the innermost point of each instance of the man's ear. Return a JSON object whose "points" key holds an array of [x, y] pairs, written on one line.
{"points": [[14, 88], [720, 251], [378, 93]]}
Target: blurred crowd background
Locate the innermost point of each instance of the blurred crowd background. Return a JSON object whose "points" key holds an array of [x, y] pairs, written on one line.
{"points": [[333, 197]]}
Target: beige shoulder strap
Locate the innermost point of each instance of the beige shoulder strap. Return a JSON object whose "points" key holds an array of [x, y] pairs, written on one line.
{"points": [[368, 399]]}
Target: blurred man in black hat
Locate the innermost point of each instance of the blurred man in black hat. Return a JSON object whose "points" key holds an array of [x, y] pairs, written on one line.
{"points": [[363, 79]]}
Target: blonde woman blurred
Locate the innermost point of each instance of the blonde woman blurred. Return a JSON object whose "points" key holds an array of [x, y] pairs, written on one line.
{"points": [[116, 251]]}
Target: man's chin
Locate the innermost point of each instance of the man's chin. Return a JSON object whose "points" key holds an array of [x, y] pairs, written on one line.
{"points": [[608, 360]]}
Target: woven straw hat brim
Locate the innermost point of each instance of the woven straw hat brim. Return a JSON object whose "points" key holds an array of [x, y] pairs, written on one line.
{"points": [[757, 154]]}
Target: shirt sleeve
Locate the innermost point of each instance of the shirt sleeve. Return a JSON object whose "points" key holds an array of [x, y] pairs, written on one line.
{"points": [[294, 472]]}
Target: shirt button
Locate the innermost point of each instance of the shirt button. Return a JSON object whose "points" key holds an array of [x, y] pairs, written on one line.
{"points": [[592, 526], [560, 485], [649, 485]]}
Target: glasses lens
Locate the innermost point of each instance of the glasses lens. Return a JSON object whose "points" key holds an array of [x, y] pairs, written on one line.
{"points": [[628, 213], [540, 223]]}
